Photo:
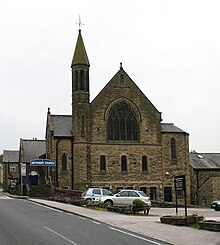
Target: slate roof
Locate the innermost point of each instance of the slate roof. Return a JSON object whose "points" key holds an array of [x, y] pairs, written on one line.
{"points": [[32, 149], [11, 156], [205, 160], [62, 125], [171, 128]]}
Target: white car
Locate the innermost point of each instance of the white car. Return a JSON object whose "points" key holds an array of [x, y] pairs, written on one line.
{"points": [[125, 198], [93, 195]]}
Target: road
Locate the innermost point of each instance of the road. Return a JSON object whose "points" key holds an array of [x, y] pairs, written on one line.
{"points": [[26, 223]]}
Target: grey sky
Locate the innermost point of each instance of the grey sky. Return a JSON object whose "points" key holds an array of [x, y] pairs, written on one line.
{"points": [[171, 50]]}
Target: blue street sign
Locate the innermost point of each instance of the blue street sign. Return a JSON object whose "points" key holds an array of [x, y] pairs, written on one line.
{"points": [[42, 162]]}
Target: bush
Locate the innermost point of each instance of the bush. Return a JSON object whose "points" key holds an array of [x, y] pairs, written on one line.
{"points": [[138, 203]]}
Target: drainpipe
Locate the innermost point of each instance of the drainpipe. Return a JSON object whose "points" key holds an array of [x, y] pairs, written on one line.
{"points": [[72, 162], [57, 148]]}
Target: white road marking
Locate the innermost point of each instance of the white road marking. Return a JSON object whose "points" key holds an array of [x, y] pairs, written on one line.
{"points": [[58, 234], [41, 205], [135, 236], [81, 218], [69, 214], [96, 222]]}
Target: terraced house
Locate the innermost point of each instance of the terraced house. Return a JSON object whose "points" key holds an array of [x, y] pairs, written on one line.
{"points": [[116, 141]]}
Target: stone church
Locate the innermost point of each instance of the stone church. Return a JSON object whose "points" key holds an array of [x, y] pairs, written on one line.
{"points": [[117, 140]]}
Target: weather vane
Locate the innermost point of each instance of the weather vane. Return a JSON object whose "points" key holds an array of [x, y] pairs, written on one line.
{"points": [[79, 23]]}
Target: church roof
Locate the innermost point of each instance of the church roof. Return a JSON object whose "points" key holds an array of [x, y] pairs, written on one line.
{"points": [[205, 160], [10, 156], [80, 56], [62, 125], [170, 128], [32, 149]]}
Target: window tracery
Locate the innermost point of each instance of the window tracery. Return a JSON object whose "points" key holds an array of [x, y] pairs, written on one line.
{"points": [[122, 123]]}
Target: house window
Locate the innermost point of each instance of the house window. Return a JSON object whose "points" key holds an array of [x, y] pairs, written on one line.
{"points": [[64, 162], [144, 164], [173, 149], [144, 189], [122, 123], [13, 169], [153, 193], [123, 163], [102, 163]]}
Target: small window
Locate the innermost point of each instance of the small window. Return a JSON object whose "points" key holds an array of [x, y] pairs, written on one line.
{"points": [[144, 164], [173, 149], [153, 193], [102, 163], [13, 169], [121, 78], [123, 163], [64, 162], [144, 189]]}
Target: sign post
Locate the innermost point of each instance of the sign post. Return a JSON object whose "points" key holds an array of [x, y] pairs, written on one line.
{"points": [[180, 185], [23, 173]]}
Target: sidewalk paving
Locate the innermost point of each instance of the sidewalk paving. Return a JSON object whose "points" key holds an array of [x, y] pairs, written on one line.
{"points": [[149, 225]]}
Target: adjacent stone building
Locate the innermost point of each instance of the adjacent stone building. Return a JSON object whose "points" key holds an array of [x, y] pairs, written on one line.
{"points": [[205, 178], [35, 177], [116, 141], [11, 170]]}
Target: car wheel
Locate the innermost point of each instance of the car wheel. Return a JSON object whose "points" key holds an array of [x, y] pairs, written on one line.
{"points": [[217, 209], [88, 201], [108, 203]]}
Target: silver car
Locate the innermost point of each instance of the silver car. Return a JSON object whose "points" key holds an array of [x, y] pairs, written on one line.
{"points": [[125, 198], [93, 194]]}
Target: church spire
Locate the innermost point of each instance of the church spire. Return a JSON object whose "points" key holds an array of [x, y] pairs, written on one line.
{"points": [[80, 56]]}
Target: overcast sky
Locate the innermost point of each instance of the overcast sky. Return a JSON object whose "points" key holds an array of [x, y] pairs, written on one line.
{"points": [[170, 49]]}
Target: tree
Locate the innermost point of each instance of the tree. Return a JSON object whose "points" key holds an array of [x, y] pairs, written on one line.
{"points": [[1, 158]]}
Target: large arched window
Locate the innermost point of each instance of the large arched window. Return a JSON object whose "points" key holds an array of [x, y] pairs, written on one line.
{"points": [[122, 123]]}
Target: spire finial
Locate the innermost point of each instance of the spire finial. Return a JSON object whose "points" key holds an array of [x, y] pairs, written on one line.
{"points": [[79, 23], [121, 65]]}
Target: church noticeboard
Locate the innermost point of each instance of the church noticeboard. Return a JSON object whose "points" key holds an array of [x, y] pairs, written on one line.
{"points": [[42, 162], [180, 183]]}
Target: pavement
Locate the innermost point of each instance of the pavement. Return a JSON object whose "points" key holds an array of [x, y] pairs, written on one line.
{"points": [[148, 225]]}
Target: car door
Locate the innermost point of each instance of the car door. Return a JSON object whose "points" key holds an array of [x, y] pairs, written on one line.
{"points": [[132, 196], [96, 193], [120, 198]]}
